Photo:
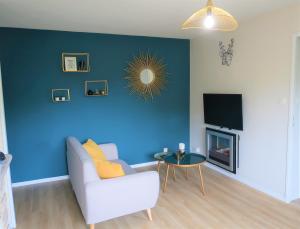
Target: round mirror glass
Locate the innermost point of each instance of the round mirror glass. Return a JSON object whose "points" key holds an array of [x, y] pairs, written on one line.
{"points": [[147, 76]]}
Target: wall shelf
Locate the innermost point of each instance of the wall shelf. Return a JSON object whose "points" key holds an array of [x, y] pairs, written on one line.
{"points": [[75, 62], [61, 95], [96, 88]]}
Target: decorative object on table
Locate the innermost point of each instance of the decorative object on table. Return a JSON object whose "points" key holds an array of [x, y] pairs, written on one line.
{"points": [[181, 152], [211, 18], [146, 75], [61, 95], [2, 156], [75, 62], [165, 150], [96, 88], [190, 160], [226, 55], [179, 155], [181, 147]]}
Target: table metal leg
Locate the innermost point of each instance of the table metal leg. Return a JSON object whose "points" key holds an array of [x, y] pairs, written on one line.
{"points": [[186, 173], [174, 175], [166, 178], [201, 179]]}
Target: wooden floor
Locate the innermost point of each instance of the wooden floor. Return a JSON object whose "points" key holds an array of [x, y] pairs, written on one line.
{"points": [[227, 204]]}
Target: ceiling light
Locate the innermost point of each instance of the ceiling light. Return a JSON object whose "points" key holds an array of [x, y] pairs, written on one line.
{"points": [[209, 22], [211, 18]]}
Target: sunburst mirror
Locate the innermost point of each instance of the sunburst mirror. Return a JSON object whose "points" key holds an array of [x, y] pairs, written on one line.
{"points": [[146, 75]]}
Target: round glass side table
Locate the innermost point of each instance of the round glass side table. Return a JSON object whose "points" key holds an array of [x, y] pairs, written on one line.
{"points": [[189, 160], [160, 157]]}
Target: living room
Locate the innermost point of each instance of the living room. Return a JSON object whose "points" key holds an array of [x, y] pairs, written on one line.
{"points": [[154, 93]]}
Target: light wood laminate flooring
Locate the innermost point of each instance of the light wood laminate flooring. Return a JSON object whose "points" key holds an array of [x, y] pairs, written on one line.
{"points": [[227, 204]]}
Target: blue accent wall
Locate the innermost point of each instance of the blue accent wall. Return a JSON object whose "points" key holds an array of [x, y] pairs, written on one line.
{"points": [[37, 128]]}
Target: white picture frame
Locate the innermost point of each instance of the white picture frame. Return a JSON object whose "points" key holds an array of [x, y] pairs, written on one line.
{"points": [[70, 64]]}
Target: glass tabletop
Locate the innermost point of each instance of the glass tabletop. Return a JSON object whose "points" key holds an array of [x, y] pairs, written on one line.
{"points": [[161, 156], [188, 159]]}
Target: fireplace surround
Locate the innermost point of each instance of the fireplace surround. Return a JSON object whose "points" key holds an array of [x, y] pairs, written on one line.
{"points": [[221, 149]]}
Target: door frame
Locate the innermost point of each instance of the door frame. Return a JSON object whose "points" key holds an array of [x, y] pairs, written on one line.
{"points": [[2, 117], [289, 192]]}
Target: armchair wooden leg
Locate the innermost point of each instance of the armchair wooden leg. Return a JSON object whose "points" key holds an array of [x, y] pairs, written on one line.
{"points": [[92, 226], [149, 214]]}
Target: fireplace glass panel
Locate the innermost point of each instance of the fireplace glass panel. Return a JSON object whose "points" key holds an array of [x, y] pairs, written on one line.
{"points": [[220, 149]]}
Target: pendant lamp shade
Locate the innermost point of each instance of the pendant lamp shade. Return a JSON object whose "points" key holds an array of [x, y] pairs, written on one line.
{"points": [[211, 18]]}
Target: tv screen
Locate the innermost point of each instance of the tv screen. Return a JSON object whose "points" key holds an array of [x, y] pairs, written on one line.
{"points": [[224, 110]]}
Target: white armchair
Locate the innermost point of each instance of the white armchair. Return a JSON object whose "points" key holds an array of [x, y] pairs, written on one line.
{"points": [[104, 199]]}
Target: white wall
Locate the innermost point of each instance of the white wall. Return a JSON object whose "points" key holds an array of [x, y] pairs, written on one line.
{"points": [[261, 70]]}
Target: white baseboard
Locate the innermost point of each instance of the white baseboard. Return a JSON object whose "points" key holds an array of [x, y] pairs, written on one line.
{"points": [[144, 164], [247, 182], [39, 181], [52, 179]]}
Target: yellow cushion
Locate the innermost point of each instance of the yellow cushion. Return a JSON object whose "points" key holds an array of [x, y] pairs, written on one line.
{"points": [[107, 169], [94, 150]]}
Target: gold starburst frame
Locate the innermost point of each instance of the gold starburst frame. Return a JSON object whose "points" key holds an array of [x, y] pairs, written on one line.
{"points": [[140, 63]]}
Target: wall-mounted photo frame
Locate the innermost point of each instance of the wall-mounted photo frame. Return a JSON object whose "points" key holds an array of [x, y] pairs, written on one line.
{"points": [[96, 88], [61, 95], [75, 62], [70, 63]]}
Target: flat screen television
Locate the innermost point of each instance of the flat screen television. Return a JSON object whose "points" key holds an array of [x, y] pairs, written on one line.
{"points": [[224, 110]]}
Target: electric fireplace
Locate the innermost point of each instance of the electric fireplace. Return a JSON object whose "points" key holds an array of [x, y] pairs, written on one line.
{"points": [[221, 149]]}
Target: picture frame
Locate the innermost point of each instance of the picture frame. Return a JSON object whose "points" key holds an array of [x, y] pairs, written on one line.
{"points": [[75, 62], [61, 95], [96, 87], [70, 63]]}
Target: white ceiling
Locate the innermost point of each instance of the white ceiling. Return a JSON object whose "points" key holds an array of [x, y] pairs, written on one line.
{"points": [[160, 18]]}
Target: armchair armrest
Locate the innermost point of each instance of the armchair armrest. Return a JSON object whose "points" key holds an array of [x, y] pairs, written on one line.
{"points": [[112, 198]]}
